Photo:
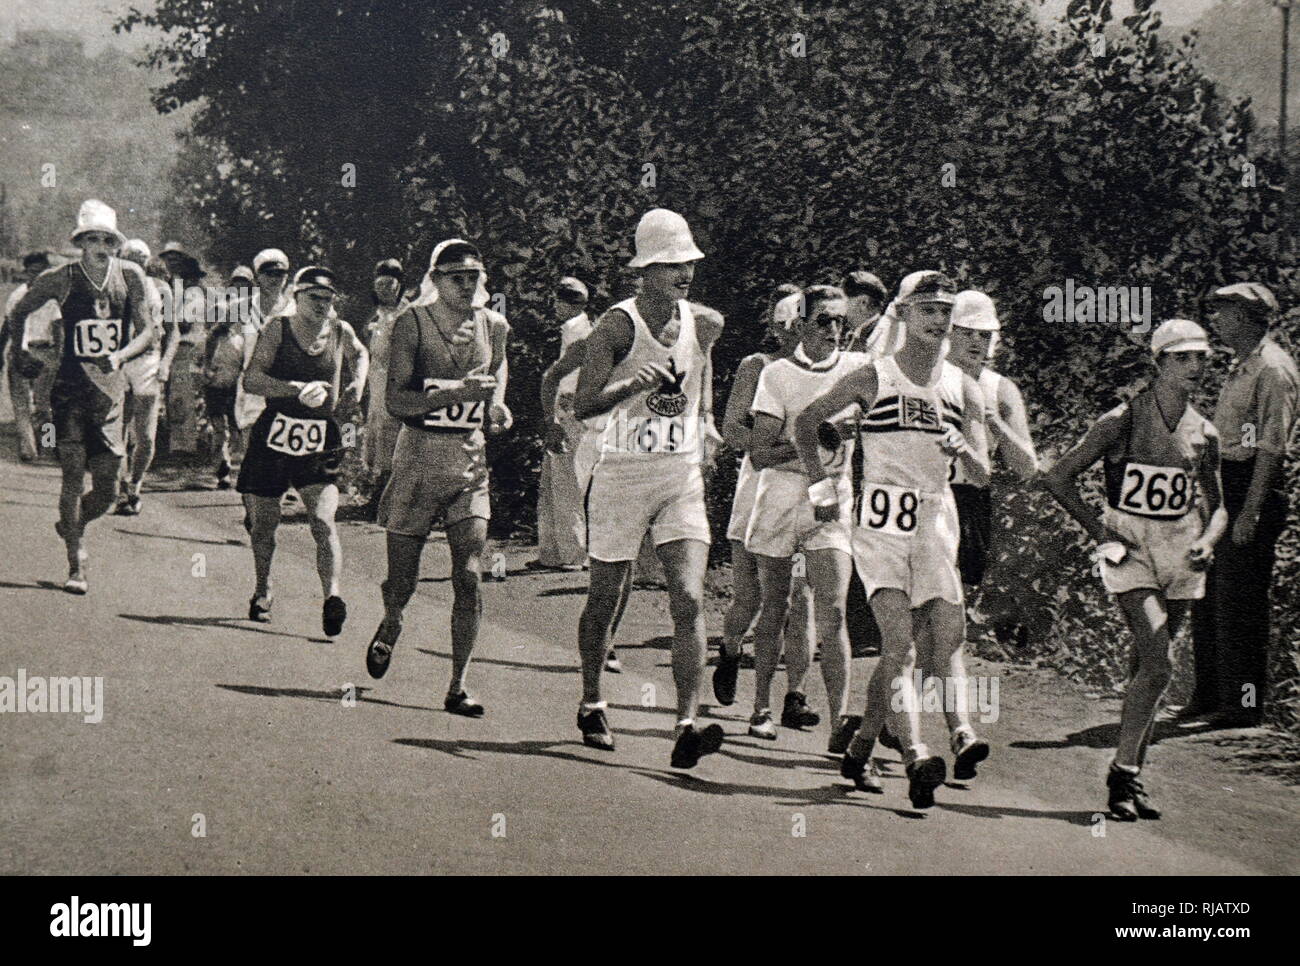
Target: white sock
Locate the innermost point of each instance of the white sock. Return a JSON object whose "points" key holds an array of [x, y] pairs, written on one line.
{"points": [[587, 707]]}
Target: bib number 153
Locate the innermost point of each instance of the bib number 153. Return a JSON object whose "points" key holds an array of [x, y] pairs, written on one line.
{"points": [[96, 338]]}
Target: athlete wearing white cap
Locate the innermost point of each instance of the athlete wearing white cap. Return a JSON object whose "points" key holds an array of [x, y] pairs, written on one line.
{"points": [[1156, 538], [106, 321], [920, 412], [746, 596], [974, 335], [647, 370], [144, 387]]}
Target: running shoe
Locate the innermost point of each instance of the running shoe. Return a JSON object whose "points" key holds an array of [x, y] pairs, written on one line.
{"points": [[693, 745], [760, 725], [463, 705], [797, 714], [843, 733], [863, 773], [724, 675], [259, 609], [612, 664], [131, 506], [332, 615], [380, 652], [1128, 799], [887, 740], [595, 730], [970, 751], [923, 776]]}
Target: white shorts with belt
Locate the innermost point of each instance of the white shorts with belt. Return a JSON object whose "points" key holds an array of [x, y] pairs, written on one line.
{"points": [[908, 543]]}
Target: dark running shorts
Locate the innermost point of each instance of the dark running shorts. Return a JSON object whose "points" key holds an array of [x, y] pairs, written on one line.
{"points": [[270, 473], [78, 425], [975, 520], [219, 402]]}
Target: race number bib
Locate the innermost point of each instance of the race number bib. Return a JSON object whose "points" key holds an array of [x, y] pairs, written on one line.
{"points": [[461, 416], [889, 509], [656, 434], [296, 437], [1155, 491], [96, 338]]}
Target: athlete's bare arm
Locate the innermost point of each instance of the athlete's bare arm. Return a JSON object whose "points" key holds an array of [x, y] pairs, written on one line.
{"points": [[736, 420], [859, 386], [171, 333], [974, 452], [143, 336], [257, 377], [609, 342], [357, 359], [1060, 479], [1214, 512], [767, 448], [708, 327], [570, 361], [46, 286], [1011, 428], [501, 415]]}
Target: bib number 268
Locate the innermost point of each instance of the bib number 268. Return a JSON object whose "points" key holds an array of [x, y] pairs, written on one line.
{"points": [[889, 509]]}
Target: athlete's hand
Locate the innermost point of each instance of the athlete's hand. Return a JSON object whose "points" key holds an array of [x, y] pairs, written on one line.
{"points": [[1114, 536], [111, 362], [501, 418], [556, 441], [465, 333], [648, 376], [1243, 531], [952, 442], [355, 390], [478, 386], [1200, 555], [314, 394]]}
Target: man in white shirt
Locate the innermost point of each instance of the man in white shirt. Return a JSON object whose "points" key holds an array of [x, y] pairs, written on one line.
{"points": [[558, 498]]}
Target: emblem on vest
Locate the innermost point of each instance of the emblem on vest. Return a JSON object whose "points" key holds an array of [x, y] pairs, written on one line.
{"points": [[917, 414], [669, 399]]}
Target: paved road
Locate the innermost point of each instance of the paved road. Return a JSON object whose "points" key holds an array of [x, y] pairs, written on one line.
{"points": [[207, 714]]}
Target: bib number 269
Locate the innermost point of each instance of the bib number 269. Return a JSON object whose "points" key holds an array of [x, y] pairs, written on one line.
{"points": [[889, 509], [296, 437]]}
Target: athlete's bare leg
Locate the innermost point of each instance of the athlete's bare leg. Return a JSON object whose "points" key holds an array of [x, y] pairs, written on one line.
{"points": [[1151, 622], [893, 674], [685, 562], [606, 591], [745, 598], [261, 519], [774, 584], [322, 502], [799, 635], [940, 652], [467, 540], [828, 576], [144, 426]]}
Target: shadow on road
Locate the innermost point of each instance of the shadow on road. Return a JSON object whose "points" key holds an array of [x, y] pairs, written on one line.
{"points": [[39, 585], [333, 696], [227, 623], [821, 795], [563, 592], [517, 665], [544, 749], [1005, 811], [231, 542], [1107, 736]]}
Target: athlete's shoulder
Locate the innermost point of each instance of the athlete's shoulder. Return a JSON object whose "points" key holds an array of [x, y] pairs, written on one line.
{"points": [[495, 319], [615, 325], [709, 323], [131, 271]]}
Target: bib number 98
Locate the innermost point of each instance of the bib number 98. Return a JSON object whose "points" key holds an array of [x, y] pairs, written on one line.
{"points": [[889, 509], [96, 338], [296, 437]]}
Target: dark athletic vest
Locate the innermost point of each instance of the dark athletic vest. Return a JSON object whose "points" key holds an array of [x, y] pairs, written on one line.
{"points": [[292, 363]]}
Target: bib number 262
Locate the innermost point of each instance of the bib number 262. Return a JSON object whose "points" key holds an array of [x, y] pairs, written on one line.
{"points": [[889, 509], [296, 437]]}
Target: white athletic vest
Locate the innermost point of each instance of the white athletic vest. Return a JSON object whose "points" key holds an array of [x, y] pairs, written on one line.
{"points": [[663, 421], [988, 382], [785, 389], [901, 432]]}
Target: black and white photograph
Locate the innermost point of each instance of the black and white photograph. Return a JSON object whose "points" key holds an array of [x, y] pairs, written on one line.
{"points": [[650, 438]]}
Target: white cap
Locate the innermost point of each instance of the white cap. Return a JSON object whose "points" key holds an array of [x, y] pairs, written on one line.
{"points": [[244, 272], [1179, 335], [96, 216], [662, 236], [787, 310], [136, 250], [270, 256], [925, 286], [975, 310]]}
